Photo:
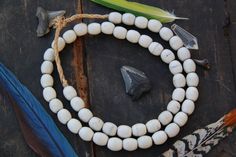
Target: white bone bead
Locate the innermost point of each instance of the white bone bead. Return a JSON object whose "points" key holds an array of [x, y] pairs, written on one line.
{"points": [[133, 36], [141, 22], [69, 92], [49, 93], [155, 48], [154, 25], [120, 32], [189, 66], [166, 33], [165, 117], [145, 41], [94, 28], [124, 131], [100, 139], [139, 129], [61, 44], [74, 125], [181, 118], [167, 56], [85, 115], [175, 67], [81, 29], [128, 19], [49, 55], [192, 93], [55, 105], [175, 43], [178, 94], [109, 129], [179, 80], [159, 137], [192, 79], [130, 144], [46, 67], [115, 17], [107, 27], [46, 80], [69, 36], [183, 53], [77, 103], [173, 106], [96, 123], [144, 142], [172, 130], [86, 133], [188, 106], [153, 125], [63, 116], [114, 144]]}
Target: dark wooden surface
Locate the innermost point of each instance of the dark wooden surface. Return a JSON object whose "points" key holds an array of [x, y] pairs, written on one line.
{"points": [[22, 52]]}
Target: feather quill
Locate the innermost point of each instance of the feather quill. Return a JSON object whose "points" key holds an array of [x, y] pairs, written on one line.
{"points": [[38, 128]]}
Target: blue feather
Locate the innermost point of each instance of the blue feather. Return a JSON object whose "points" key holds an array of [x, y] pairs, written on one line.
{"points": [[37, 118]]}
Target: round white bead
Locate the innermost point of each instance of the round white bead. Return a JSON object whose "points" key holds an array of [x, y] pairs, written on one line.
{"points": [[189, 66], [133, 36], [74, 125], [153, 125], [188, 106], [166, 33], [130, 144], [85, 115], [141, 22], [49, 93], [49, 55], [114, 144], [167, 56], [128, 19], [192, 93], [179, 80], [159, 137], [115, 17], [77, 103], [100, 139], [109, 129], [176, 43], [124, 131], [69, 36], [107, 27], [96, 123], [94, 28], [120, 32], [63, 116], [144, 142], [172, 130], [181, 118], [145, 41], [165, 117], [46, 67], [61, 44], [55, 105], [192, 79], [139, 129], [175, 67], [81, 29], [69, 92], [173, 106], [178, 94], [154, 25], [155, 48], [46, 80], [183, 54], [86, 133]]}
